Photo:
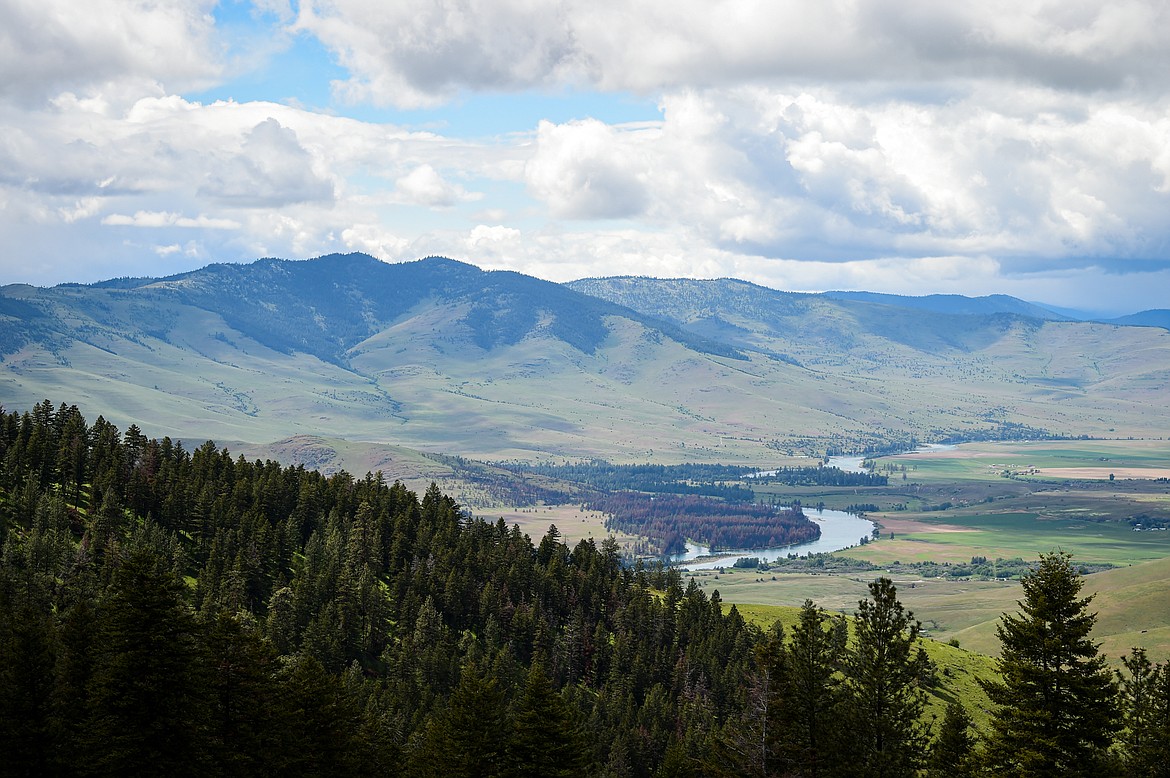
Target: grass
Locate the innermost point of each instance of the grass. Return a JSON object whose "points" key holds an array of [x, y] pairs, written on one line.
{"points": [[1130, 602], [957, 536], [639, 397], [574, 523], [958, 670], [1049, 460]]}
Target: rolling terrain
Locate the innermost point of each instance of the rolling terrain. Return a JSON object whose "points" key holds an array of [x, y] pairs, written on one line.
{"points": [[439, 356]]}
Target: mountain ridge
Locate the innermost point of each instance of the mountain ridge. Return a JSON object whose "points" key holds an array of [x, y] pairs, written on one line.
{"points": [[440, 356]]}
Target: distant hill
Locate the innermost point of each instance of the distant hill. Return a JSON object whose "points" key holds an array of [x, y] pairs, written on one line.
{"points": [[1156, 318], [957, 304], [440, 356]]}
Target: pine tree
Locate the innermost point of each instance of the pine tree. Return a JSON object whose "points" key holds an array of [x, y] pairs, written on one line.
{"points": [[28, 649], [146, 696], [883, 684], [1145, 706], [1056, 710], [546, 740], [809, 715], [467, 739], [950, 754], [243, 694]]}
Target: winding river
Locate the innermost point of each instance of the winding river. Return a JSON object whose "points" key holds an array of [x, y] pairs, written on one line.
{"points": [[838, 530]]}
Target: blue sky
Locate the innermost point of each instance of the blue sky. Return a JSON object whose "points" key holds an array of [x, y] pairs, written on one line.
{"points": [[907, 147]]}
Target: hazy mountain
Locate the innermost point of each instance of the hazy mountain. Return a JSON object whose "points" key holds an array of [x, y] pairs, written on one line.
{"points": [[440, 356], [816, 326], [1156, 318], [957, 304], [325, 306]]}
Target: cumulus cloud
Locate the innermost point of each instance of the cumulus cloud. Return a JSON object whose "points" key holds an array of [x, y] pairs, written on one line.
{"points": [[47, 47], [893, 145], [418, 52], [271, 169], [584, 170], [424, 186], [812, 175], [224, 181], [166, 219]]}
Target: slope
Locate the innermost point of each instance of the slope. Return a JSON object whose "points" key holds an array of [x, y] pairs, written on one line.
{"points": [[440, 356]]}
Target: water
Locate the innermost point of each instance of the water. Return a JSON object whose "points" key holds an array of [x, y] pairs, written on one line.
{"points": [[853, 464], [838, 530]]}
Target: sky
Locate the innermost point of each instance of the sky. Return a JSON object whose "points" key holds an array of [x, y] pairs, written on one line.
{"points": [[904, 146]]}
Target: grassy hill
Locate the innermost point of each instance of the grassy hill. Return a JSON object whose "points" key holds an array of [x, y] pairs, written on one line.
{"points": [[1130, 602], [959, 670], [439, 356]]}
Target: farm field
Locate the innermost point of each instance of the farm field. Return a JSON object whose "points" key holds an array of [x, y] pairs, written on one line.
{"points": [[945, 608], [956, 504], [1037, 460], [574, 523], [957, 536], [1130, 602]]}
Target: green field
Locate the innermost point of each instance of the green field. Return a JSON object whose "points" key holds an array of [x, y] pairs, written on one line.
{"points": [[958, 536], [1038, 461], [993, 516]]}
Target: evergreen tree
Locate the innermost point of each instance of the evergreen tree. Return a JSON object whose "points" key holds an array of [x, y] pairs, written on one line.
{"points": [[243, 694], [318, 723], [950, 754], [1055, 705], [809, 714], [27, 654], [468, 738], [884, 675], [1144, 744], [146, 704], [546, 739]]}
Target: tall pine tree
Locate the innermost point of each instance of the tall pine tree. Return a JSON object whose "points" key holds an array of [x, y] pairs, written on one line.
{"points": [[147, 711], [1056, 705], [884, 674]]}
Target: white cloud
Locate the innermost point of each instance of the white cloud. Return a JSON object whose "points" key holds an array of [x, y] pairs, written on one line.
{"points": [[419, 52], [271, 169], [375, 241], [584, 170], [166, 219], [890, 145], [424, 186], [50, 46]]}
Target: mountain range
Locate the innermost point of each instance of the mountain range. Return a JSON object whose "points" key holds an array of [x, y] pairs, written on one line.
{"points": [[440, 356]]}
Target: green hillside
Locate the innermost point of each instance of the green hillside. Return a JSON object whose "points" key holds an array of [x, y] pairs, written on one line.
{"points": [[439, 356]]}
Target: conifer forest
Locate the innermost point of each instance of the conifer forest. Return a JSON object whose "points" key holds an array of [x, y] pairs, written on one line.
{"points": [[167, 610]]}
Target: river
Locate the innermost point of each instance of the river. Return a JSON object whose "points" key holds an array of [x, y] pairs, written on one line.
{"points": [[838, 530]]}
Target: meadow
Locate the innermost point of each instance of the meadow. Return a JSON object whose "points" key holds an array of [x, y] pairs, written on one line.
{"points": [[957, 503]]}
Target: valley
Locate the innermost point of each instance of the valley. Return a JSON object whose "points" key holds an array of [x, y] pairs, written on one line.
{"points": [[563, 438], [441, 357], [347, 363]]}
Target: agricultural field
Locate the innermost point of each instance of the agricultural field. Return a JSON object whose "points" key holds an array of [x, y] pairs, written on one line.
{"points": [[1038, 461], [956, 503], [573, 522]]}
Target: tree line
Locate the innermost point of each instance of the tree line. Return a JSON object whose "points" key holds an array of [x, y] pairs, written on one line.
{"points": [[671, 520], [688, 478], [183, 612]]}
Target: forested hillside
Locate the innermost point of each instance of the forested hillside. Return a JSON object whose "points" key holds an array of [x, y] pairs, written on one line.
{"points": [[186, 613]]}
